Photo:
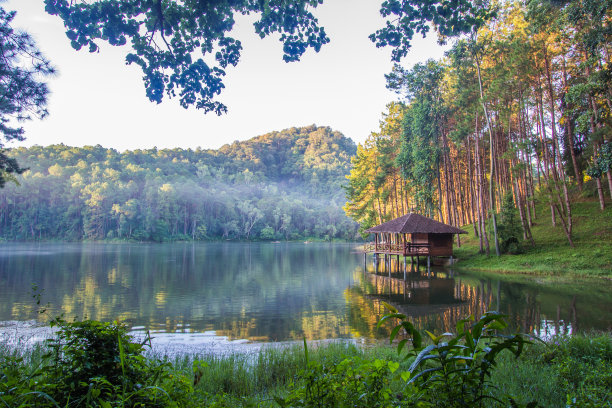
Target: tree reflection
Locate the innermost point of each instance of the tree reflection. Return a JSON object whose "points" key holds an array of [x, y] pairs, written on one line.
{"points": [[269, 292]]}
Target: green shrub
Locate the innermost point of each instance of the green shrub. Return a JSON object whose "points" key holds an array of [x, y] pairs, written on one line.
{"points": [[509, 227], [92, 364]]}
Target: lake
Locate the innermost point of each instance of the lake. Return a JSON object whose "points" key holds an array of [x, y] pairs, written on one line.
{"points": [[270, 292]]}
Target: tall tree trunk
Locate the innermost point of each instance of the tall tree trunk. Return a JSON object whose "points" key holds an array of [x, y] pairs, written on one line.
{"points": [[593, 120], [470, 186], [569, 134], [526, 230], [491, 158], [558, 172], [483, 239], [602, 202]]}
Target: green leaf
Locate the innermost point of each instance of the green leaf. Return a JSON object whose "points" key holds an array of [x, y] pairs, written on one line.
{"points": [[470, 341], [424, 353], [433, 337], [390, 316], [400, 346], [429, 370], [389, 307], [394, 333]]}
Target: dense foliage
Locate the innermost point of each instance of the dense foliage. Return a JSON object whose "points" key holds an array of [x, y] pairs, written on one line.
{"points": [[93, 364], [183, 48], [282, 185], [24, 93], [520, 105]]}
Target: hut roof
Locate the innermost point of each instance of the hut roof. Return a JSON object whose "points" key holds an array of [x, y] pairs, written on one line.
{"points": [[414, 223]]}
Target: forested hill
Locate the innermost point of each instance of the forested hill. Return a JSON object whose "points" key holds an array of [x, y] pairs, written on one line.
{"points": [[281, 185]]}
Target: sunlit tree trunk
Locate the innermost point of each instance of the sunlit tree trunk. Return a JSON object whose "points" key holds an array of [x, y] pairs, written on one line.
{"points": [[491, 158]]}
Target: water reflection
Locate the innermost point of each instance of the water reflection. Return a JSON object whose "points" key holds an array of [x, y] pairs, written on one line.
{"points": [[438, 299], [274, 292], [256, 291]]}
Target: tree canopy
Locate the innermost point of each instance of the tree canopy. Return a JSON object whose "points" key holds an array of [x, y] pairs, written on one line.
{"points": [[184, 48], [522, 105], [24, 92], [281, 185]]}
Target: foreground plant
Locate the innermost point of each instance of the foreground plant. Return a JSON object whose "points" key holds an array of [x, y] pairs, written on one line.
{"points": [[455, 370], [92, 364], [354, 382]]}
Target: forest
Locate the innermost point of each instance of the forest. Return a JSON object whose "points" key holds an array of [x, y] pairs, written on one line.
{"points": [[518, 111], [281, 185]]}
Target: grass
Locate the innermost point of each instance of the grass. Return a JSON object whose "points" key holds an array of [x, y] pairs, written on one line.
{"points": [[552, 255], [576, 371], [577, 368], [272, 368]]}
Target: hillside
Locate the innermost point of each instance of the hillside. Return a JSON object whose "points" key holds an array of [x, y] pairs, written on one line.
{"points": [[551, 253], [281, 185]]}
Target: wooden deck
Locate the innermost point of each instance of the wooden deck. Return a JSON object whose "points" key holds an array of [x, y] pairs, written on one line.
{"points": [[407, 249]]}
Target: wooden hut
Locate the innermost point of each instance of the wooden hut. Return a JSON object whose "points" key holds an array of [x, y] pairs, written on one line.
{"points": [[413, 235]]}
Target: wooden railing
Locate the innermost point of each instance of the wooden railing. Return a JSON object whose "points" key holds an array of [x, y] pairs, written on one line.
{"points": [[407, 248]]}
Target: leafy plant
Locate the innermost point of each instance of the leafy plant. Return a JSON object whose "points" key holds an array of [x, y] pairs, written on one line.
{"points": [[455, 370], [19, 387], [98, 364]]}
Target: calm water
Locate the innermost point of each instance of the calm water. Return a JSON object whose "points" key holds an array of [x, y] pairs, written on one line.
{"points": [[274, 292]]}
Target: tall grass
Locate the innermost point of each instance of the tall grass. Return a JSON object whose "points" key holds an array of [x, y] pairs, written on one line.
{"points": [[574, 371], [271, 368]]}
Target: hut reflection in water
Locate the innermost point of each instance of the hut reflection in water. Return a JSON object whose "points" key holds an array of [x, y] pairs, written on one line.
{"points": [[437, 300]]}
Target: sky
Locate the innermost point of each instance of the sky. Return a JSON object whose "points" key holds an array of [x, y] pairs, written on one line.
{"points": [[98, 99]]}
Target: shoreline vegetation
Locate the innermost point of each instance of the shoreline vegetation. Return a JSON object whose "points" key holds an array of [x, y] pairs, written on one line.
{"points": [[572, 371]]}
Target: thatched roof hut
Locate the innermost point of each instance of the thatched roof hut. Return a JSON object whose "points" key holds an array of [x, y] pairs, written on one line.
{"points": [[413, 234], [414, 223]]}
